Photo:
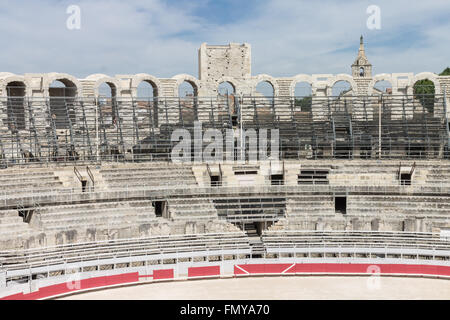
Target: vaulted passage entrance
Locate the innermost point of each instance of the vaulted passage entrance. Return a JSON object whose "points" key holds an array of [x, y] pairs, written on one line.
{"points": [[15, 105]]}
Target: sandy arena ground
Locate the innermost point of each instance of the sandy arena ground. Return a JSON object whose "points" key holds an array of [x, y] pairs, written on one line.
{"points": [[272, 288]]}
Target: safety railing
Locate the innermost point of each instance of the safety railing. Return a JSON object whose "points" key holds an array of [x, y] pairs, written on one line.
{"points": [[176, 247]]}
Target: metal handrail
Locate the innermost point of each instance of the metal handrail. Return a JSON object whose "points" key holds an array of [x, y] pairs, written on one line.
{"points": [[91, 176]]}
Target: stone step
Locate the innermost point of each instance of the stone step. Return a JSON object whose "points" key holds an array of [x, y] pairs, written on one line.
{"points": [[94, 205], [97, 212], [64, 221], [11, 220], [31, 174]]}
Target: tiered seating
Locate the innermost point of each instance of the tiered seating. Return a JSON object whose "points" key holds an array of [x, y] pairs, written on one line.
{"points": [[96, 215], [423, 206], [12, 226], [192, 208], [348, 239], [173, 244], [149, 176], [251, 207], [438, 174], [308, 205], [348, 174], [16, 181]]}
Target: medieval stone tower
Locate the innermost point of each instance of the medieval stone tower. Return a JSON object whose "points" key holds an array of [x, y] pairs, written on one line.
{"points": [[220, 63], [362, 69]]}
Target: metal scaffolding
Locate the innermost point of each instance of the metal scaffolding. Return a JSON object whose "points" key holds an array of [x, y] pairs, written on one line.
{"points": [[70, 129]]}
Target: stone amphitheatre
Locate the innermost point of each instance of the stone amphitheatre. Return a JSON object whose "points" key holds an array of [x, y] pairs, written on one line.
{"points": [[90, 196]]}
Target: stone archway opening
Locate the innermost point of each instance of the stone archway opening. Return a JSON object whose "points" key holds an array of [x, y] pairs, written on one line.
{"points": [[303, 96], [188, 92], [226, 88], [264, 106], [382, 87], [62, 93], [424, 94], [147, 104], [187, 89], [107, 103], [226, 102], [265, 89], [341, 88], [16, 105]]}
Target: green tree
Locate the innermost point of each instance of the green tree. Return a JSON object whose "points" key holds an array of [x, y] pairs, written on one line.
{"points": [[424, 92], [304, 103], [446, 72]]}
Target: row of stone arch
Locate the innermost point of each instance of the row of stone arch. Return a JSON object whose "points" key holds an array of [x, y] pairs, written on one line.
{"points": [[384, 79], [55, 83]]}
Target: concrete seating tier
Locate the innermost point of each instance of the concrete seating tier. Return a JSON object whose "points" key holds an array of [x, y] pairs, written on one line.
{"points": [[250, 206], [12, 225], [32, 185], [23, 181], [192, 208], [25, 173], [76, 216], [149, 176], [310, 204], [14, 259], [438, 175], [409, 205], [354, 238]]}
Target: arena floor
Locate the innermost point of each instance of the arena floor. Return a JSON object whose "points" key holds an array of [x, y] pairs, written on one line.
{"points": [[272, 288]]}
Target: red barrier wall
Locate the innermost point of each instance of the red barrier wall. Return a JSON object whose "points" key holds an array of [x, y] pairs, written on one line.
{"points": [[67, 287], [203, 271], [341, 268], [162, 274], [244, 269], [265, 268]]}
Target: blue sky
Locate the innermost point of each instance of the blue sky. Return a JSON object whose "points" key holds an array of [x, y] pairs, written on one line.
{"points": [[161, 37]]}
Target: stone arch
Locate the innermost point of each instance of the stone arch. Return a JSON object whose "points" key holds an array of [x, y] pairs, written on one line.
{"points": [[430, 76], [144, 77], [180, 78], [264, 77], [300, 78], [102, 78], [233, 88], [379, 77], [341, 77], [15, 91], [230, 80], [65, 78], [14, 78], [62, 102]]}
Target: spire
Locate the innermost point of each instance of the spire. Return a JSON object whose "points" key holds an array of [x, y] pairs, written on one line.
{"points": [[361, 44], [361, 67]]}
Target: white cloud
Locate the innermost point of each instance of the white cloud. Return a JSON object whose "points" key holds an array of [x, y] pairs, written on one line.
{"points": [[160, 38]]}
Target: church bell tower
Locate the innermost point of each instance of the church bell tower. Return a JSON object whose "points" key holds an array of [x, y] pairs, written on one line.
{"points": [[361, 68]]}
